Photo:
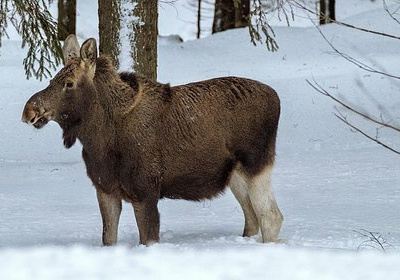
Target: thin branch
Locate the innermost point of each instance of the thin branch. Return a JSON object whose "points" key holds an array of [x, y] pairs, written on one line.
{"points": [[373, 240], [38, 30], [343, 119], [354, 61], [390, 13], [302, 6], [365, 67], [324, 92]]}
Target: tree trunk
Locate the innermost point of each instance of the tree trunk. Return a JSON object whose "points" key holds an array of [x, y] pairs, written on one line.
{"points": [[332, 14], [109, 27], [242, 14], [322, 12], [326, 11], [199, 19], [229, 14], [66, 18], [144, 41]]}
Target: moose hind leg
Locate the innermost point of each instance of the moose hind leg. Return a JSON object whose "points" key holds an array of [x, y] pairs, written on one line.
{"points": [[110, 209], [240, 191], [264, 204]]}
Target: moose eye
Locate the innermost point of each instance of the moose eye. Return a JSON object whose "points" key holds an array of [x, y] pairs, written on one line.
{"points": [[69, 84]]}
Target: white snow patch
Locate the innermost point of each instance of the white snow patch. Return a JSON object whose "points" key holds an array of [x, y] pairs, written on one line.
{"points": [[270, 262]]}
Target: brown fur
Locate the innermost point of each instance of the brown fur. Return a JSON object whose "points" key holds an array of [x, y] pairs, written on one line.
{"points": [[143, 140]]}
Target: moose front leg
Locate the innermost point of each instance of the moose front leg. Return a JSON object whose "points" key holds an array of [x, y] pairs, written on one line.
{"points": [[138, 208], [148, 220], [110, 209]]}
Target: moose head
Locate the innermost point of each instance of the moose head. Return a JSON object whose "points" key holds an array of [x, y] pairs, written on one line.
{"points": [[63, 98]]}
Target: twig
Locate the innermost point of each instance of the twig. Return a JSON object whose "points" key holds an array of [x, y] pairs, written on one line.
{"points": [[302, 6], [374, 240], [324, 92], [343, 119], [389, 13], [354, 61]]}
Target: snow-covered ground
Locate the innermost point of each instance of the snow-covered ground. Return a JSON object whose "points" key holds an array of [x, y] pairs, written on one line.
{"points": [[330, 182]]}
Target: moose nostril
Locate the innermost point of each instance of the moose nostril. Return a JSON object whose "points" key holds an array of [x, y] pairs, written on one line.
{"points": [[32, 120]]}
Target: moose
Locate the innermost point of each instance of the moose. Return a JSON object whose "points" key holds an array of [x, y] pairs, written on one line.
{"points": [[143, 141]]}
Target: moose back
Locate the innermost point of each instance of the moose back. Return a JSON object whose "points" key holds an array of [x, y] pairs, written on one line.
{"points": [[143, 141]]}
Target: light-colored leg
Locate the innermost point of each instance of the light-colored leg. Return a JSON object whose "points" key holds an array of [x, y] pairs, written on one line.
{"points": [[110, 209], [264, 204], [239, 190]]}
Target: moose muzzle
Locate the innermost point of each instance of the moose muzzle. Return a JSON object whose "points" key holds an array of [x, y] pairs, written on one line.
{"points": [[35, 115]]}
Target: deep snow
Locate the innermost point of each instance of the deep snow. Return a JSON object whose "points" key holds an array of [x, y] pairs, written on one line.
{"points": [[329, 181]]}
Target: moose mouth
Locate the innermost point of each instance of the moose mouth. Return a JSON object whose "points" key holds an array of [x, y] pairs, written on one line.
{"points": [[41, 122], [37, 119]]}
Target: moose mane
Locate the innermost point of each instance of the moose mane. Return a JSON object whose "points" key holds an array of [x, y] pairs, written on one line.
{"points": [[123, 88], [113, 93]]}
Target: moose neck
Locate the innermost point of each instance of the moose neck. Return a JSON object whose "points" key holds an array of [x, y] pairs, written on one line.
{"points": [[114, 95], [107, 101]]}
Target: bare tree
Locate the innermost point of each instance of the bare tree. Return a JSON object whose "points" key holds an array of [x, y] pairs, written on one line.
{"points": [[109, 28], [38, 30], [66, 23]]}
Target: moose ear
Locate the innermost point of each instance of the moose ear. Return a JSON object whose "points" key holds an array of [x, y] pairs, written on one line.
{"points": [[89, 52], [71, 48]]}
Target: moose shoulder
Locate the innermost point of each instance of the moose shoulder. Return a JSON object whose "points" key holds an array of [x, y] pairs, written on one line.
{"points": [[143, 140]]}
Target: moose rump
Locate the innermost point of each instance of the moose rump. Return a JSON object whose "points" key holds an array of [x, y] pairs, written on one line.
{"points": [[143, 140]]}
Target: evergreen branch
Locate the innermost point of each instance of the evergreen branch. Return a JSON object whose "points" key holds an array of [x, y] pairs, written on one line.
{"points": [[38, 30]]}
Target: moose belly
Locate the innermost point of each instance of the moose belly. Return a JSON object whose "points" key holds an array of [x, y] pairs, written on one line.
{"points": [[203, 183]]}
